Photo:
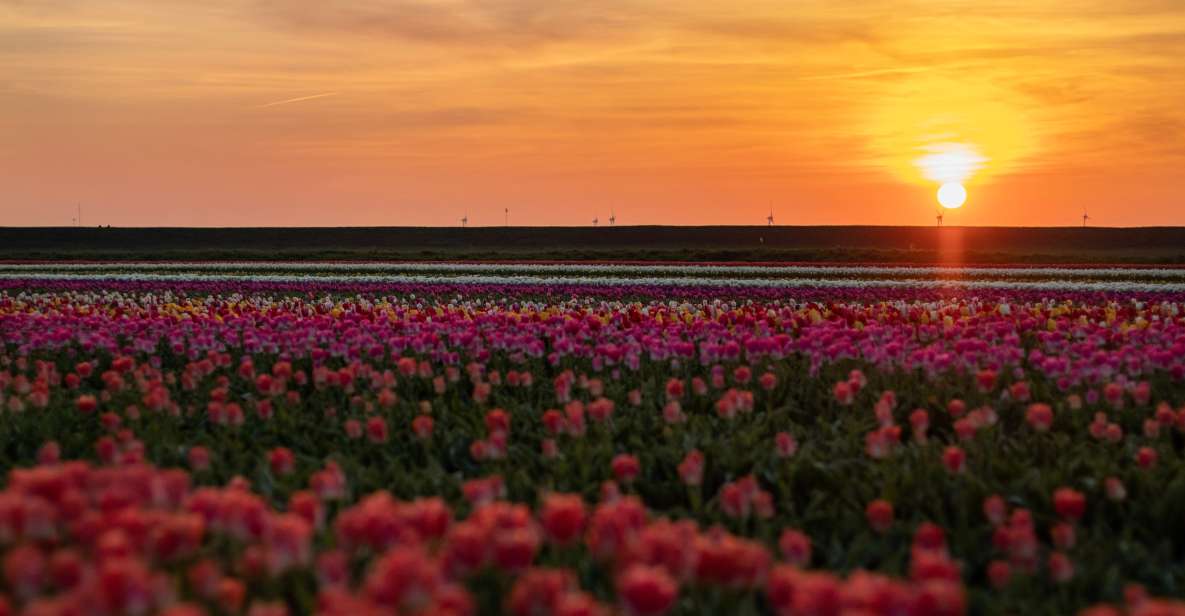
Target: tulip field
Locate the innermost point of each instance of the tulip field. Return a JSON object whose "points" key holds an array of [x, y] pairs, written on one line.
{"points": [[580, 439]]}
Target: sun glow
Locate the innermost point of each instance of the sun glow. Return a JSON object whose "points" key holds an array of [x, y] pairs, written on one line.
{"points": [[950, 162], [950, 129]]}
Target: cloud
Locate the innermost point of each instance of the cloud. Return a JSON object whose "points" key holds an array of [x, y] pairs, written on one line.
{"points": [[297, 99], [466, 23], [884, 72], [453, 117], [794, 30]]}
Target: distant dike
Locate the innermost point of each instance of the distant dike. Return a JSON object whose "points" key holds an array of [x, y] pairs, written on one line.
{"points": [[1152, 245]]}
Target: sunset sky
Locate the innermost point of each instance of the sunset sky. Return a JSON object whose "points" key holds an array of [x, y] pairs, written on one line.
{"points": [[416, 112]]}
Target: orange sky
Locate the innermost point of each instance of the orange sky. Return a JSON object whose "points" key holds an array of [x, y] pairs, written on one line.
{"points": [[414, 112]]}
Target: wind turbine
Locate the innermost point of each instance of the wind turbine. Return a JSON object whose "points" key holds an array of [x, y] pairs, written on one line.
{"points": [[465, 220], [770, 219], [1085, 218], [506, 215], [612, 218], [939, 217], [595, 221]]}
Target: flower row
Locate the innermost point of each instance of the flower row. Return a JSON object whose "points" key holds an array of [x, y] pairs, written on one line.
{"points": [[681, 283]]}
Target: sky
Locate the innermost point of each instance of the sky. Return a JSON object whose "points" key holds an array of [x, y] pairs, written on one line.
{"points": [[421, 112]]}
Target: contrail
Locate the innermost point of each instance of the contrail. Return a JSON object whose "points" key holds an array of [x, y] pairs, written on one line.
{"points": [[296, 100]]}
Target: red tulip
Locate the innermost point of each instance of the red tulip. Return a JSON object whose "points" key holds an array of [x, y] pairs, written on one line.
{"points": [[795, 547], [691, 469], [1062, 535], [625, 467], [422, 426], [86, 404], [1069, 503], [995, 509], [281, 460], [562, 517], [1146, 457], [553, 421], [199, 458], [880, 515], [999, 573], [1114, 489], [785, 445], [497, 420], [843, 393], [646, 591], [376, 429], [954, 459], [985, 380], [1039, 416], [1061, 569]]}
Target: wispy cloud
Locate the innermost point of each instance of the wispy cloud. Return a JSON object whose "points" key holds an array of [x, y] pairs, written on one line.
{"points": [[903, 70], [296, 100], [514, 24]]}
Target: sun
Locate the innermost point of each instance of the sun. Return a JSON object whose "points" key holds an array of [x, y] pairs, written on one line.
{"points": [[951, 195]]}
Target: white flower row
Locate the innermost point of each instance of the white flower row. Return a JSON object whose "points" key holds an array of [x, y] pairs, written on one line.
{"points": [[612, 281], [609, 269]]}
